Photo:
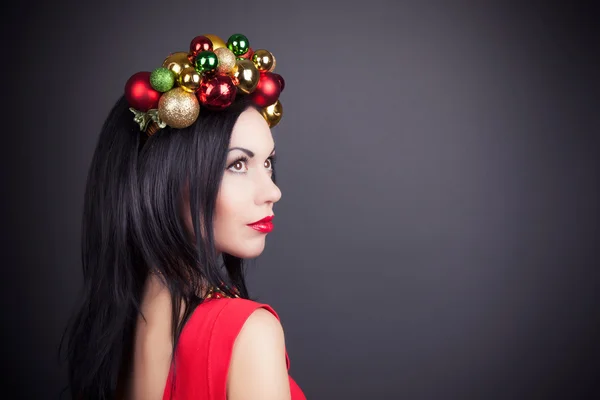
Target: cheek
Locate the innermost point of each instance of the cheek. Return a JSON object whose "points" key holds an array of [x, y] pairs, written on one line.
{"points": [[234, 209], [232, 202]]}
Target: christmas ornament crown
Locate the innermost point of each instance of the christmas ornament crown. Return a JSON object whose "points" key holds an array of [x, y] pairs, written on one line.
{"points": [[211, 74]]}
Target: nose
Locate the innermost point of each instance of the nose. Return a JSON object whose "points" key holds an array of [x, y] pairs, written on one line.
{"points": [[268, 191]]}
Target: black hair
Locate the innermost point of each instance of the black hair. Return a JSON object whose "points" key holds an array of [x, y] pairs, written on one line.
{"points": [[132, 226]]}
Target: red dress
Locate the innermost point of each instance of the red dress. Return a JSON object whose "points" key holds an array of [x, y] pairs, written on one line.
{"points": [[204, 350]]}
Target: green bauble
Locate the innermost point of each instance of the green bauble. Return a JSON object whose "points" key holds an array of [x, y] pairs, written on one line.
{"points": [[206, 61], [162, 79], [238, 44]]}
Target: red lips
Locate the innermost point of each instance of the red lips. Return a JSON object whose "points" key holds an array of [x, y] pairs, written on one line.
{"points": [[264, 225]]}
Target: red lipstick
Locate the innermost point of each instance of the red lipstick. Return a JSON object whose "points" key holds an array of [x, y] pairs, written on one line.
{"points": [[264, 225]]}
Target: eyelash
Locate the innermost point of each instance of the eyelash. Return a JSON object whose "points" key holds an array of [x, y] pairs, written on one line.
{"points": [[245, 159]]}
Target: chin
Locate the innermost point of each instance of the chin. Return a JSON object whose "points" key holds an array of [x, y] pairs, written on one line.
{"points": [[246, 250]]}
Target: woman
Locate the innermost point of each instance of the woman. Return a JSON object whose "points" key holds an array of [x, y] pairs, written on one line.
{"points": [[181, 189]]}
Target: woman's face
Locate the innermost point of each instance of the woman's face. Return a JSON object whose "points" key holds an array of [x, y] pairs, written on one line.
{"points": [[247, 192]]}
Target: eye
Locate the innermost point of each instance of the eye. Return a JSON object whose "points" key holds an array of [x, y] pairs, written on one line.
{"points": [[270, 163], [239, 165]]}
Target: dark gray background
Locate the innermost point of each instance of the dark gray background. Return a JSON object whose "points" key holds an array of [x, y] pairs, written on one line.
{"points": [[437, 236]]}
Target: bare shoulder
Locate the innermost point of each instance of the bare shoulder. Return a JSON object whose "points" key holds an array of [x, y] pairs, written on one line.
{"points": [[258, 366], [260, 323]]}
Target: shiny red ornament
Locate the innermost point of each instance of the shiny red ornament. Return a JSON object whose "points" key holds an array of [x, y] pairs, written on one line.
{"points": [[216, 92], [281, 81], [248, 54], [267, 91], [199, 44], [139, 92]]}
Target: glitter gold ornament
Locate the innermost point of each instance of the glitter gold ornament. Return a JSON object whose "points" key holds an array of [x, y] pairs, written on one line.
{"points": [[216, 41], [177, 62], [246, 76], [226, 61], [189, 79], [178, 108], [264, 60], [273, 113]]}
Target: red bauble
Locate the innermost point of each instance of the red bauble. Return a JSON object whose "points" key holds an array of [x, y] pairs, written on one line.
{"points": [[248, 54], [281, 81], [217, 92], [199, 44], [267, 91], [139, 93]]}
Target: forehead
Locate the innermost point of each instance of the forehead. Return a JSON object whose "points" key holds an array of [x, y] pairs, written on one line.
{"points": [[251, 131]]}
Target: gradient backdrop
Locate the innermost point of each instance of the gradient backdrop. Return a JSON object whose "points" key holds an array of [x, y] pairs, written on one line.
{"points": [[438, 232]]}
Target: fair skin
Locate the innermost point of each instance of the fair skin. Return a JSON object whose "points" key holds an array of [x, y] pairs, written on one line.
{"points": [[247, 194]]}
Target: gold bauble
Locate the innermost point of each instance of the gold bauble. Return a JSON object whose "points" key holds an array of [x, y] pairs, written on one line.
{"points": [[272, 113], [177, 62], [226, 60], [216, 41], [246, 76], [264, 60], [189, 79], [178, 108]]}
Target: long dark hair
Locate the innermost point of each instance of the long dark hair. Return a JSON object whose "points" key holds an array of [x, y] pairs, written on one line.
{"points": [[132, 226]]}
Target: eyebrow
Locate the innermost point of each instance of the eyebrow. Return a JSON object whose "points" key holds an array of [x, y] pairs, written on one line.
{"points": [[248, 152]]}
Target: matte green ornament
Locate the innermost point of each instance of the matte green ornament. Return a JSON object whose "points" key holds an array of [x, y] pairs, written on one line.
{"points": [[206, 61], [238, 44], [162, 79]]}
